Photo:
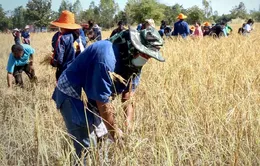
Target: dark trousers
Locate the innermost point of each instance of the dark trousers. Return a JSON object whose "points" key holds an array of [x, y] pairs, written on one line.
{"points": [[28, 69]]}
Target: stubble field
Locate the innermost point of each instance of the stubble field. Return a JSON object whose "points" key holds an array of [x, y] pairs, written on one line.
{"points": [[200, 107]]}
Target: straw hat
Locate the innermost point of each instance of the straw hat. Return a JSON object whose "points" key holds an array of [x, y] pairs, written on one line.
{"points": [[150, 22], [192, 27], [27, 27], [15, 29], [181, 16], [66, 21], [207, 24]]}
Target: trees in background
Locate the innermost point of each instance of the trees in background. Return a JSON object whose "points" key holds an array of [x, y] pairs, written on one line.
{"points": [[107, 13], [139, 10], [239, 11], [38, 12], [19, 19], [5, 22]]}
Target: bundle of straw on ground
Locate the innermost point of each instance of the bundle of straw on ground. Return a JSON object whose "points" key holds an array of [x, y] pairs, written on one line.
{"points": [[200, 107]]}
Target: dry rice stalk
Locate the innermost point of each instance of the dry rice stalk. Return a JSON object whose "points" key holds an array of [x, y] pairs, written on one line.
{"points": [[46, 60], [117, 77]]}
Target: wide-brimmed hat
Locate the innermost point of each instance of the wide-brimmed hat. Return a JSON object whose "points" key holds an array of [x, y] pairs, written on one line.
{"points": [[27, 27], [181, 16], [150, 22], [147, 41], [16, 29], [66, 21], [207, 24], [192, 27]]}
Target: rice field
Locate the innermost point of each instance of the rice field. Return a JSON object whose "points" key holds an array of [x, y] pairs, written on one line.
{"points": [[200, 107]]}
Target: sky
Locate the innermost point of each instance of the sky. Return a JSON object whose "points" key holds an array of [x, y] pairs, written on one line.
{"points": [[222, 6]]}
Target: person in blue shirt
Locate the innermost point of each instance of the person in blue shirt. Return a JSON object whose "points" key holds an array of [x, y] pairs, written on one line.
{"points": [[64, 51], [181, 27], [105, 69], [26, 35], [139, 27], [20, 59]]}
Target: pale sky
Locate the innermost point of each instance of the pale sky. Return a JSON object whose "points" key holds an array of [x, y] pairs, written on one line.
{"points": [[222, 6]]}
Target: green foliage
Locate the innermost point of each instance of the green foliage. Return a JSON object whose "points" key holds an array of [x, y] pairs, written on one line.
{"points": [[19, 19], [39, 12], [77, 8], [65, 5], [92, 13], [138, 11], [195, 14], [107, 14], [107, 10], [207, 8], [239, 11], [255, 15], [121, 16], [171, 12], [224, 18], [5, 22]]}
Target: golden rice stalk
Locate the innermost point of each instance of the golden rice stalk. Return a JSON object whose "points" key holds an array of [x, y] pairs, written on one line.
{"points": [[46, 60], [117, 77]]}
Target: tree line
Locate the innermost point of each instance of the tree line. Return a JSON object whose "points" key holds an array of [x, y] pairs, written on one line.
{"points": [[107, 13]]}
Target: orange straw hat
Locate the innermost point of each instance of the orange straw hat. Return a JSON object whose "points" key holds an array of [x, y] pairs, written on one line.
{"points": [[207, 24], [192, 27], [181, 16], [66, 21]]}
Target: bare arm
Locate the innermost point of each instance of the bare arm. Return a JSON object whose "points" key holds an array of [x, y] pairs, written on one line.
{"points": [[9, 80], [128, 108], [31, 59], [107, 113]]}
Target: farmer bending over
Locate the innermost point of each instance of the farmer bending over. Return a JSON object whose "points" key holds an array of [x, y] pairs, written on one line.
{"points": [[97, 71], [20, 59]]}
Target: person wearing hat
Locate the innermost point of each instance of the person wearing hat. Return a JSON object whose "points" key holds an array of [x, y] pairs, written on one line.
{"points": [[206, 28], [105, 69], [26, 35], [64, 51], [192, 29], [120, 28], [97, 32], [181, 27], [20, 59], [17, 36], [148, 23]]}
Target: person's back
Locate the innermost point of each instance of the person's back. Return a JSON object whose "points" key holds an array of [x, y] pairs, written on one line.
{"points": [[64, 51], [181, 28], [97, 32]]}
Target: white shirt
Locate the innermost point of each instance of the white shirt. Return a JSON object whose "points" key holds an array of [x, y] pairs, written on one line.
{"points": [[247, 27]]}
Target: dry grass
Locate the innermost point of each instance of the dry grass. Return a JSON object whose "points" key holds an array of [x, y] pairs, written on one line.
{"points": [[201, 107]]}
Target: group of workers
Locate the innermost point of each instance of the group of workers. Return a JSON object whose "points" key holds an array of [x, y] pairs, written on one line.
{"points": [[99, 70], [103, 70], [22, 36], [181, 28]]}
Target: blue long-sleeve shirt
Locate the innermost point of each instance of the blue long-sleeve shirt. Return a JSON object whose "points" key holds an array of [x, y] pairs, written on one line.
{"points": [[181, 28], [64, 52]]}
